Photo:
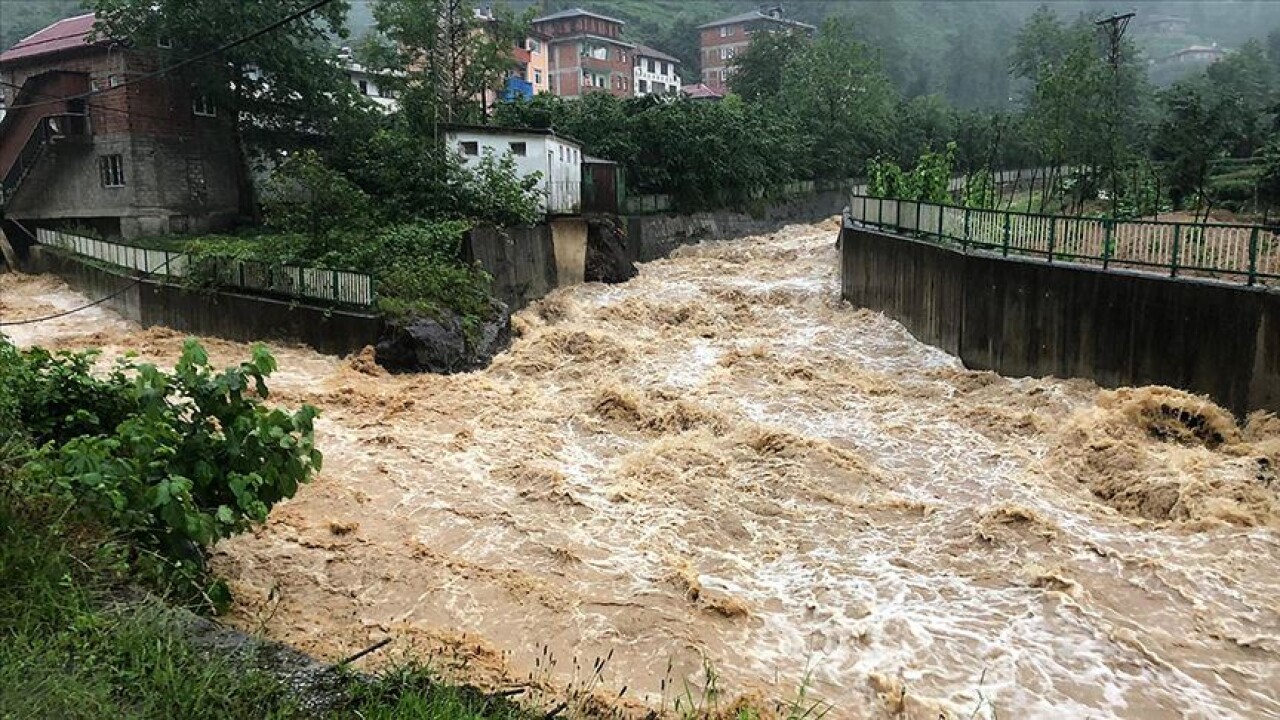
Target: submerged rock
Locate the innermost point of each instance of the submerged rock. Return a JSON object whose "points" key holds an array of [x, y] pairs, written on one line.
{"points": [[608, 260], [442, 343]]}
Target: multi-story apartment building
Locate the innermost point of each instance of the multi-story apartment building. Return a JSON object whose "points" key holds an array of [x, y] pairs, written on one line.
{"points": [[657, 73], [722, 40], [586, 53]]}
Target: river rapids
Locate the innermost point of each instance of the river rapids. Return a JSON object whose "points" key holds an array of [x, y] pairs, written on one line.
{"points": [[720, 474]]}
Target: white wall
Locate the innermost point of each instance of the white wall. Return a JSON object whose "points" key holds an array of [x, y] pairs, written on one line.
{"points": [[558, 160], [664, 73], [372, 87]]}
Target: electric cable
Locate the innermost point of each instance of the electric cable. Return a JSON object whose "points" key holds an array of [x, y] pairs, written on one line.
{"points": [[188, 61]]}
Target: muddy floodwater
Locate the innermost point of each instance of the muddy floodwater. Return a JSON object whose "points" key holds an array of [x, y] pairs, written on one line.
{"points": [[720, 464]]}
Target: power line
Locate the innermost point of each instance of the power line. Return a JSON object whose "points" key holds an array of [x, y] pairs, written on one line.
{"points": [[188, 61], [95, 106]]}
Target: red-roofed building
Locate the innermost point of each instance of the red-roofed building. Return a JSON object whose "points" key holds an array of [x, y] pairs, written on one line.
{"points": [[87, 139], [701, 91], [586, 53]]}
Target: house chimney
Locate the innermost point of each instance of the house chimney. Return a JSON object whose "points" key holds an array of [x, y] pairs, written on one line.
{"points": [[773, 11]]}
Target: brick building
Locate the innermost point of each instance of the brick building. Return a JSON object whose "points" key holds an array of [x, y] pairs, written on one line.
{"points": [[154, 156], [586, 53], [722, 40]]}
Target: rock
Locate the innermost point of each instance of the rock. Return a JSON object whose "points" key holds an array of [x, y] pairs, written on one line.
{"points": [[440, 344], [608, 258]]}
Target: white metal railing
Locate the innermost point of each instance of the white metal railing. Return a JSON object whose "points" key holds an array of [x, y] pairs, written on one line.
{"points": [[342, 286]]}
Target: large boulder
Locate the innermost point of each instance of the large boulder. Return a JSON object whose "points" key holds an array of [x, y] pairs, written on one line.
{"points": [[441, 344], [609, 257]]}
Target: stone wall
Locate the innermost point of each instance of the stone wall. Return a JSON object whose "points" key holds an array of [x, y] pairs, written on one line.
{"points": [[1023, 317], [655, 236]]}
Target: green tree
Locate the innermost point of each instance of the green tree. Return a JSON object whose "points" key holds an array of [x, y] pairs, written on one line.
{"points": [[1244, 83], [280, 89], [446, 62], [841, 99], [1192, 135], [758, 70]]}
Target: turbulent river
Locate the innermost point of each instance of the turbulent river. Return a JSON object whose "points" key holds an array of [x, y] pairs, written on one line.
{"points": [[719, 465]]}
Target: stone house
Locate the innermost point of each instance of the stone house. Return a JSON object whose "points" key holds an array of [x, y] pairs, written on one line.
{"points": [[94, 137]]}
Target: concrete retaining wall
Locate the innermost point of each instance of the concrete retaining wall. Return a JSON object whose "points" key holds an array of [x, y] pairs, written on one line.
{"points": [[219, 314], [1029, 318], [655, 236]]}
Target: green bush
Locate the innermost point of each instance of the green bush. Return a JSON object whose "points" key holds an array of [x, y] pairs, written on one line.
{"points": [[174, 461]]}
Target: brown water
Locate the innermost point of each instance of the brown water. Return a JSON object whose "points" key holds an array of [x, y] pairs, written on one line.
{"points": [[721, 460]]}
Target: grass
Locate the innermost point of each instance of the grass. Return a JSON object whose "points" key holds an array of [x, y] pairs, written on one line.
{"points": [[76, 642]]}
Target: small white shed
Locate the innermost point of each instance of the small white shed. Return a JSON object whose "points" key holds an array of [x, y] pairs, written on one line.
{"points": [[557, 158]]}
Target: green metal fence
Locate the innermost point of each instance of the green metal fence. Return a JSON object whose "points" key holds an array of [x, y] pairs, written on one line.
{"points": [[337, 286], [1241, 253]]}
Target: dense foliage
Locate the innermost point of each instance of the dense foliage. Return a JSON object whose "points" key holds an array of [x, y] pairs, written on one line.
{"points": [[174, 461]]}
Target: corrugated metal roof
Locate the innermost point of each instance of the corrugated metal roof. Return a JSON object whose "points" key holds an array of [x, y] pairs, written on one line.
{"points": [[575, 12], [701, 91], [67, 34], [646, 51], [755, 15]]}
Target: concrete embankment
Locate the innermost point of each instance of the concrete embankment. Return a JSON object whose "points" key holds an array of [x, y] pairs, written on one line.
{"points": [[232, 316], [1022, 317]]}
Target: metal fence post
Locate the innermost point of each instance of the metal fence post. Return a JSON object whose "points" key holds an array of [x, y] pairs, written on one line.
{"points": [[1007, 232], [964, 242], [917, 228], [1053, 229], [941, 212], [880, 213], [1177, 249], [1106, 244], [333, 292], [1253, 255]]}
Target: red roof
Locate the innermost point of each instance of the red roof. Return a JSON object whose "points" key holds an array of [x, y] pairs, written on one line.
{"points": [[701, 92], [68, 34]]}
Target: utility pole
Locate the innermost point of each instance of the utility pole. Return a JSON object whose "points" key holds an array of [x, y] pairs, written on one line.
{"points": [[1114, 28]]}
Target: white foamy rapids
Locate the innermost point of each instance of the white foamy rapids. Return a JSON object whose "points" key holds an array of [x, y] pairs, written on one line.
{"points": [[719, 459]]}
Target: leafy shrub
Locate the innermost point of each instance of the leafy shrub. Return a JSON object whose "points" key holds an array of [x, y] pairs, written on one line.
{"points": [[171, 460]]}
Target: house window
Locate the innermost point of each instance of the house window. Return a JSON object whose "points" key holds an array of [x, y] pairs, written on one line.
{"points": [[95, 86], [113, 80], [726, 30], [537, 77], [642, 86], [561, 153], [164, 42], [666, 68], [111, 170], [622, 55], [364, 87], [519, 148], [202, 105], [470, 147], [534, 46]]}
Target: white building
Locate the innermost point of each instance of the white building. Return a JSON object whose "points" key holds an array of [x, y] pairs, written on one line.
{"points": [[557, 159], [656, 73], [371, 84]]}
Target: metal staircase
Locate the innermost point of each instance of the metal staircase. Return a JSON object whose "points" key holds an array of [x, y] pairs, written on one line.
{"points": [[47, 131]]}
